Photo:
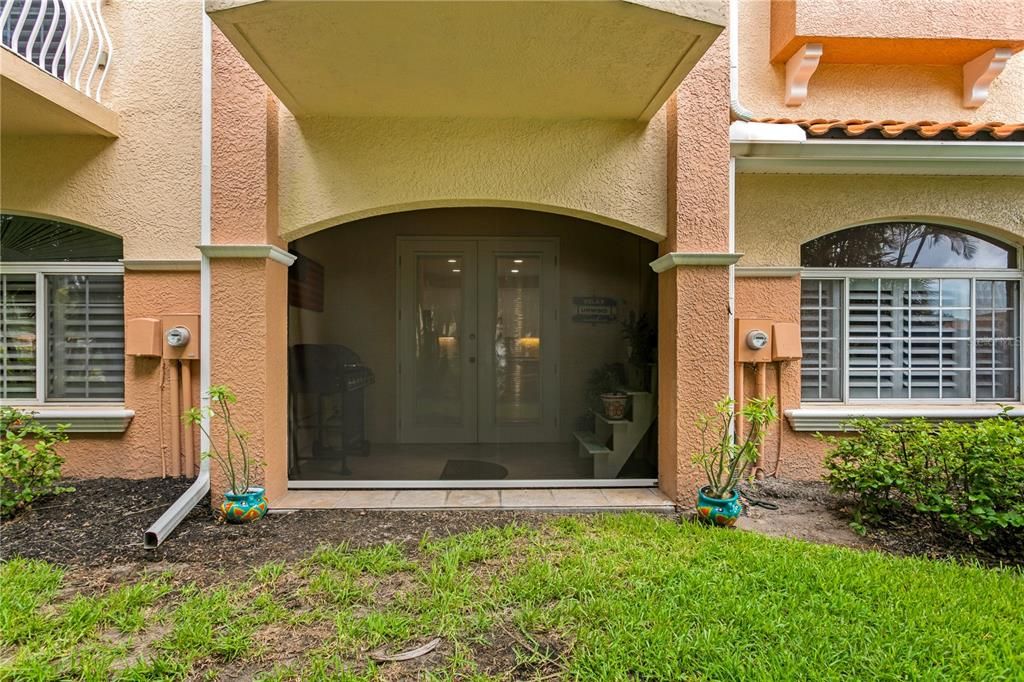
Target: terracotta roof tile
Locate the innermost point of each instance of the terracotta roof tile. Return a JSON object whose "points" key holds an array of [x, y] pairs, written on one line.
{"points": [[891, 129]]}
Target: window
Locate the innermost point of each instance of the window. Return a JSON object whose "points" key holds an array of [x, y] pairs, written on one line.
{"points": [[946, 330], [62, 313]]}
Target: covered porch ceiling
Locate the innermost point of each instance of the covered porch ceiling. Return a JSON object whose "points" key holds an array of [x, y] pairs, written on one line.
{"points": [[605, 59]]}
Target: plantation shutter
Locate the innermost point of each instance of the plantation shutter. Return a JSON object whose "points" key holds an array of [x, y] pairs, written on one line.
{"points": [[85, 321], [821, 337], [18, 337]]}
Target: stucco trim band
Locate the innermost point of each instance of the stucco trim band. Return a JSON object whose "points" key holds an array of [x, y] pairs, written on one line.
{"points": [[831, 418], [778, 271], [274, 253], [84, 419], [676, 258], [155, 265]]}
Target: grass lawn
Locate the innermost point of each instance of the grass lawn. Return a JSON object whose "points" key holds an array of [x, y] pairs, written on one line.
{"points": [[608, 597]]}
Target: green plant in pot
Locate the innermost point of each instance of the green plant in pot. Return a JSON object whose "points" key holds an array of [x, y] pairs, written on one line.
{"points": [[243, 502], [725, 457], [606, 392]]}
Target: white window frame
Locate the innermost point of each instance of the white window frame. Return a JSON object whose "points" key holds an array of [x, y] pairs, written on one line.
{"points": [[41, 270], [971, 274]]}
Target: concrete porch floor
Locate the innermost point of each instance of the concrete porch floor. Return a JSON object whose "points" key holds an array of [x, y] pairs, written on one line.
{"points": [[553, 499]]}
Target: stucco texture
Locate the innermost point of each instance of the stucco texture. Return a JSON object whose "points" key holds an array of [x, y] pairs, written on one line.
{"points": [[337, 170], [886, 91], [775, 214], [144, 449], [144, 185], [693, 319]]}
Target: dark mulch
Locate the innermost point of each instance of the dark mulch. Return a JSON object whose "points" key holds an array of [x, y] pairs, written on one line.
{"points": [[102, 523]]}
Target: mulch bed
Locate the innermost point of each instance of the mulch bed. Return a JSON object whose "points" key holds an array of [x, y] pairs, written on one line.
{"points": [[102, 523]]}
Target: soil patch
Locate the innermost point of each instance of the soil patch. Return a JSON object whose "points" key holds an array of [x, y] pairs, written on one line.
{"points": [[808, 510]]}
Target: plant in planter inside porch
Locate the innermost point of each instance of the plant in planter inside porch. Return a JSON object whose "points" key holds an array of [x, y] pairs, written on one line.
{"points": [[725, 456], [243, 502], [605, 390]]}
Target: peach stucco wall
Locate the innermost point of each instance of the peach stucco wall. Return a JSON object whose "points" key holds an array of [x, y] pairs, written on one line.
{"points": [[775, 214], [693, 319], [248, 306], [144, 185], [902, 92], [144, 449]]}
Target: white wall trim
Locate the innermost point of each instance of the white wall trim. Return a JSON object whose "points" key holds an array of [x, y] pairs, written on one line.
{"points": [[155, 265], [83, 418], [278, 255], [779, 271], [676, 258], [829, 418]]}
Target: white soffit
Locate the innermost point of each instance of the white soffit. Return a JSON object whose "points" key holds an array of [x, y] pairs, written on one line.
{"points": [[499, 59], [879, 157]]}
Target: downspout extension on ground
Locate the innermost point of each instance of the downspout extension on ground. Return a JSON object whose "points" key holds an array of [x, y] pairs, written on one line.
{"points": [[169, 520]]}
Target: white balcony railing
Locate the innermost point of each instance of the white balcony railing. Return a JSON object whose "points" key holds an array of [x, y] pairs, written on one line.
{"points": [[66, 38]]}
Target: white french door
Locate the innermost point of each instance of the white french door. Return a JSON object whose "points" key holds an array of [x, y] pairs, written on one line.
{"points": [[477, 340]]}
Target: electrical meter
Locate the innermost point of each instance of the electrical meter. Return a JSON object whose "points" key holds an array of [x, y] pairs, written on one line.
{"points": [[757, 339], [178, 336]]}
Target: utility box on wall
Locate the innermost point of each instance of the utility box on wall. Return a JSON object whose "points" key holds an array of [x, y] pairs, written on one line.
{"points": [[143, 337], [180, 337], [786, 341]]}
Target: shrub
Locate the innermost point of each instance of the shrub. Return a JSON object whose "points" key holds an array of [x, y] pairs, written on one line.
{"points": [[725, 455], [29, 463], [965, 477]]}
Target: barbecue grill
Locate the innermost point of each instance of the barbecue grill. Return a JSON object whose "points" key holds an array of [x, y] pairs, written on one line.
{"points": [[327, 395]]}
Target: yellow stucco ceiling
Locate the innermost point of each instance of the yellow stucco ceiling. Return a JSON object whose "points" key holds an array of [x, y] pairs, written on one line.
{"points": [[609, 59]]}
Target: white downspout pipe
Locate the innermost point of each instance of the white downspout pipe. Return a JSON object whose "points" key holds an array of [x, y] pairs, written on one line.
{"points": [[170, 519]]}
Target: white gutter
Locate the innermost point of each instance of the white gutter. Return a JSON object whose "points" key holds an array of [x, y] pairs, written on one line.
{"points": [[170, 519]]}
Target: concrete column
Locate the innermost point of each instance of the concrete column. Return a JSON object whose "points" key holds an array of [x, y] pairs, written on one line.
{"points": [[694, 288], [248, 264]]}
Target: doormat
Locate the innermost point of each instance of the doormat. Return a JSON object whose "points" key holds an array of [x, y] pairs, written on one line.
{"points": [[472, 470]]}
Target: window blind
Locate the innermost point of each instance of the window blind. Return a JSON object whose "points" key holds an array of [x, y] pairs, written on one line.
{"points": [[85, 322], [18, 337]]}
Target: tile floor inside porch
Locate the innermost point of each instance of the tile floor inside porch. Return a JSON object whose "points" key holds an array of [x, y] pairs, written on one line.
{"points": [[549, 499]]}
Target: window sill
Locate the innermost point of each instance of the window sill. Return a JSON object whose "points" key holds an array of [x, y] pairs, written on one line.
{"points": [[829, 418], [83, 418]]}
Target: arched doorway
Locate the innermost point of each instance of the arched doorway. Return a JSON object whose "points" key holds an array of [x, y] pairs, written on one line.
{"points": [[470, 346]]}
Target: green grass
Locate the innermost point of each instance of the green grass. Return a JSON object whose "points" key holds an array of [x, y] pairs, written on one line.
{"points": [[621, 597]]}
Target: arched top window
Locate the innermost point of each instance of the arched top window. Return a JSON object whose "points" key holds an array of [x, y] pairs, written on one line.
{"points": [[37, 240], [906, 245], [61, 313]]}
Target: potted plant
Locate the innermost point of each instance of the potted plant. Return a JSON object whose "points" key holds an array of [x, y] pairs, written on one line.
{"points": [[243, 502], [725, 456], [605, 390]]}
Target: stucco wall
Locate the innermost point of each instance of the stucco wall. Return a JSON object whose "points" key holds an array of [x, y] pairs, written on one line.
{"points": [[144, 185], [775, 214], [902, 92], [338, 170], [144, 449]]}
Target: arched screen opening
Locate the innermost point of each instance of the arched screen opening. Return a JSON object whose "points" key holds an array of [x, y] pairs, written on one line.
{"points": [[906, 245]]}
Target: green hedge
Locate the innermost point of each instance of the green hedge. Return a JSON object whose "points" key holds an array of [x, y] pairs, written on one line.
{"points": [[965, 477]]}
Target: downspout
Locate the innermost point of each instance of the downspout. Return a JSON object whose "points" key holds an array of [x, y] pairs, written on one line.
{"points": [[170, 519], [738, 111]]}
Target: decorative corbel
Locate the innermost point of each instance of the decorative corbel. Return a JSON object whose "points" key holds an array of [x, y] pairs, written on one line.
{"points": [[979, 74], [799, 69]]}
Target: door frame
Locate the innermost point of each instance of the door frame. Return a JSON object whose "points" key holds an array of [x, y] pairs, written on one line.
{"points": [[482, 392]]}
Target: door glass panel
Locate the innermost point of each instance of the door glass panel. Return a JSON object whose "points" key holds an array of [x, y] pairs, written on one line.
{"points": [[438, 362], [517, 340]]}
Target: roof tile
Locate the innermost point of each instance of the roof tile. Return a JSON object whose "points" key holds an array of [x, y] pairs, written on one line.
{"points": [[890, 129]]}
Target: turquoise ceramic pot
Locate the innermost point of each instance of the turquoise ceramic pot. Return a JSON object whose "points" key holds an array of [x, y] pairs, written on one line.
{"points": [[244, 507], [716, 511]]}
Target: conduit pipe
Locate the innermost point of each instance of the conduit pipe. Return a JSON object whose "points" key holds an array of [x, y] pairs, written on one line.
{"points": [[170, 519], [175, 420], [186, 405]]}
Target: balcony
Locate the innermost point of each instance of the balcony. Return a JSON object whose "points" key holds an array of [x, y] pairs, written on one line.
{"points": [[979, 36], [53, 66], [502, 59]]}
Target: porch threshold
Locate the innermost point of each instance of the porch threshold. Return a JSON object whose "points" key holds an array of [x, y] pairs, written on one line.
{"points": [[541, 499]]}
